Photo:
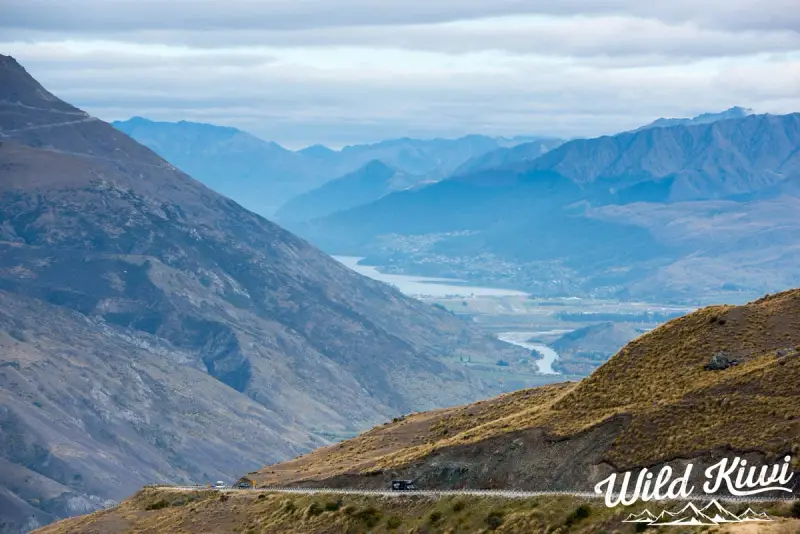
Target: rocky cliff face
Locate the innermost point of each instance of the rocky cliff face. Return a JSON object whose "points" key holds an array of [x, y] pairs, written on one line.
{"points": [[154, 330]]}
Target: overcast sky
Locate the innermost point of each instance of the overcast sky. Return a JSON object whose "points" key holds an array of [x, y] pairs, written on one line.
{"points": [[344, 71]]}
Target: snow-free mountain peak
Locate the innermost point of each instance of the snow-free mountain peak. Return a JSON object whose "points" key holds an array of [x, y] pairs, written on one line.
{"points": [[736, 112]]}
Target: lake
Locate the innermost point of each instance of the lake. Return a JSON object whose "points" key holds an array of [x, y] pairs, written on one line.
{"points": [[426, 286]]}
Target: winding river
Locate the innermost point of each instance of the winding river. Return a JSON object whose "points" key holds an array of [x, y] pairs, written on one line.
{"points": [[548, 355], [426, 286]]}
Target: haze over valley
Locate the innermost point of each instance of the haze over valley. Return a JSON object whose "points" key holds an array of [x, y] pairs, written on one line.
{"points": [[639, 215], [639, 220]]}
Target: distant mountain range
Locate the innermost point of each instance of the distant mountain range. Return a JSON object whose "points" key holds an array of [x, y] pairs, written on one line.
{"points": [[262, 175], [152, 330], [612, 212], [735, 112]]}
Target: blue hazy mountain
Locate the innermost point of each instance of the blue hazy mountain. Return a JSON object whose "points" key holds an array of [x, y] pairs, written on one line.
{"points": [[725, 159], [262, 175], [508, 155], [435, 158], [370, 182], [259, 175]]}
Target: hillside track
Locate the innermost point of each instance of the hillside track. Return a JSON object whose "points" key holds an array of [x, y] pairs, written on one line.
{"points": [[7, 133], [499, 493]]}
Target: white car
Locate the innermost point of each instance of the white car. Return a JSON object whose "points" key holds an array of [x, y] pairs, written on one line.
{"points": [[219, 485]]}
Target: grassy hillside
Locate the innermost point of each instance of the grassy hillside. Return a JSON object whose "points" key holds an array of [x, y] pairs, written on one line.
{"points": [[653, 402]]}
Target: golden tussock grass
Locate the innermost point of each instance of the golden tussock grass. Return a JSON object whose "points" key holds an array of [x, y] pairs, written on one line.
{"points": [[174, 512]]}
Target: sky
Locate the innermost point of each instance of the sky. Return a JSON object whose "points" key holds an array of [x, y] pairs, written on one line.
{"points": [[338, 72]]}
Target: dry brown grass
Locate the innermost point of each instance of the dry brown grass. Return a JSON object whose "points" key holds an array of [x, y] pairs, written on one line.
{"points": [[677, 408], [171, 512], [413, 434]]}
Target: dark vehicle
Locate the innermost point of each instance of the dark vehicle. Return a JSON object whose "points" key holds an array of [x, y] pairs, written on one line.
{"points": [[403, 485], [244, 483]]}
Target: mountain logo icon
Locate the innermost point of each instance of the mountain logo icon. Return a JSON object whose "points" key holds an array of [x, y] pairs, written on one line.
{"points": [[690, 515]]}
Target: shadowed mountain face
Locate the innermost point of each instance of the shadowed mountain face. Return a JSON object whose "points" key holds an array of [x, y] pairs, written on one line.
{"points": [[154, 330], [262, 176], [609, 214]]}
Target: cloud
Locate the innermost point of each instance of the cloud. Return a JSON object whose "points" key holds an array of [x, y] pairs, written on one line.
{"points": [[307, 71], [87, 16], [582, 36]]}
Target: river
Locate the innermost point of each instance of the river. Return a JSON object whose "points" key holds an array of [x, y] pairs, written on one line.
{"points": [[426, 286], [549, 356]]}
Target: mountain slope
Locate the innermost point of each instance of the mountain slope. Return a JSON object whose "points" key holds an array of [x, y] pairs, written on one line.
{"points": [[654, 402], [706, 161], [370, 182], [198, 321], [91, 412]]}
